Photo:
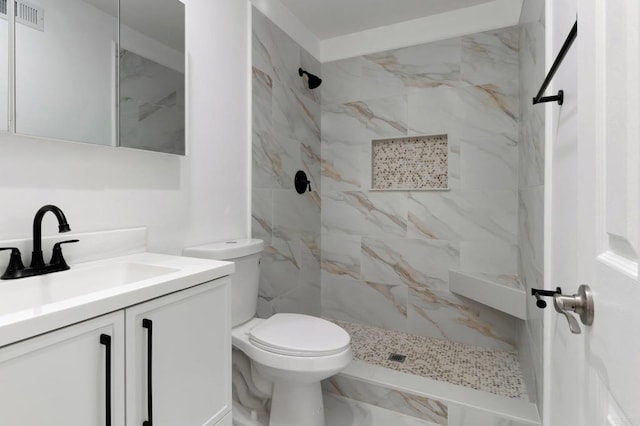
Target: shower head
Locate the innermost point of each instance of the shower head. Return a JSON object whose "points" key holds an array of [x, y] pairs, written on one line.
{"points": [[313, 80]]}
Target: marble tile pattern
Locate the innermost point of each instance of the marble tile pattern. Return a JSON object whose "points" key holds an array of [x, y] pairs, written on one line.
{"points": [[471, 416], [341, 411], [423, 408], [285, 139], [251, 405], [506, 280], [388, 253], [483, 369], [152, 105], [531, 183], [410, 163]]}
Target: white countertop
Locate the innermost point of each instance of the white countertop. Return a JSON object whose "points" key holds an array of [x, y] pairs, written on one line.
{"points": [[43, 316]]}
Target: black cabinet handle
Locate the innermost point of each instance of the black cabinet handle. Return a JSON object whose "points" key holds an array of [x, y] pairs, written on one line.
{"points": [[105, 340], [148, 324]]}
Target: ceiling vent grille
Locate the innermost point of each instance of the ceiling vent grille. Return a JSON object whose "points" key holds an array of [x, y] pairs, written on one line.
{"points": [[27, 13]]}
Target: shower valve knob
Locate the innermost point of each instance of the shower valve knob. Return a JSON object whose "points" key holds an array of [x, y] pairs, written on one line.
{"points": [[302, 183]]}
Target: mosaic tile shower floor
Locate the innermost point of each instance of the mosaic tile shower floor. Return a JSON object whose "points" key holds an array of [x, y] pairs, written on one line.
{"points": [[487, 370]]}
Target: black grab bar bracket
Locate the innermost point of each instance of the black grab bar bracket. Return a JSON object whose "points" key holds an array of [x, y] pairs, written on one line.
{"points": [[540, 98]]}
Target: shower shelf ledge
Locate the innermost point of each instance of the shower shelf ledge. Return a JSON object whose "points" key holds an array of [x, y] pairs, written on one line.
{"points": [[503, 292]]}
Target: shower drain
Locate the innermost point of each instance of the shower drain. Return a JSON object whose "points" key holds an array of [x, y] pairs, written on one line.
{"points": [[397, 357]]}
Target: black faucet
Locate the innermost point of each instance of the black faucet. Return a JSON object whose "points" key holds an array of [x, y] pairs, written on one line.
{"points": [[36, 257], [17, 270]]}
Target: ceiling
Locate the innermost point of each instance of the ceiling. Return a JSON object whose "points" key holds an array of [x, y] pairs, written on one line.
{"points": [[333, 18]]}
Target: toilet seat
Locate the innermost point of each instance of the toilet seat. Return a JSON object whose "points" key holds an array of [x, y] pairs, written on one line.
{"points": [[299, 335], [309, 362]]}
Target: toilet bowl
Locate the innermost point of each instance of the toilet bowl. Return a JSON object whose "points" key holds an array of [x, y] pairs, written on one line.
{"points": [[294, 362], [293, 352]]}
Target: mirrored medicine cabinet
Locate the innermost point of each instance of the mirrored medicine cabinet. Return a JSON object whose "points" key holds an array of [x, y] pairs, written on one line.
{"points": [[104, 72]]}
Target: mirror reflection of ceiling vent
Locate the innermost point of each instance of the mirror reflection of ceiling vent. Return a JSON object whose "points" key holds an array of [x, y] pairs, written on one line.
{"points": [[27, 13], [30, 14]]}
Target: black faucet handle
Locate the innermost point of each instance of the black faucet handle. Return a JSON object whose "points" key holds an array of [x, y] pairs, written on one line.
{"points": [[59, 243], [57, 258], [13, 249], [15, 261]]}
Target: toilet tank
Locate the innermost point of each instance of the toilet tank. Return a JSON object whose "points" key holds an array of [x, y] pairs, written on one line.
{"points": [[245, 280]]}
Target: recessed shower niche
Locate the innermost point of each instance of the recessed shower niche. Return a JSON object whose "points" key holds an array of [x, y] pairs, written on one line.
{"points": [[413, 163]]}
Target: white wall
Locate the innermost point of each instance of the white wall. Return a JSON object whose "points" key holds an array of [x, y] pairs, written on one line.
{"points": [[182, 200]]}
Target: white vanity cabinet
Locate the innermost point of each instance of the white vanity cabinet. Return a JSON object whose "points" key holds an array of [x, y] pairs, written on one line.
{"points": [[188, 336], [60, 378]]}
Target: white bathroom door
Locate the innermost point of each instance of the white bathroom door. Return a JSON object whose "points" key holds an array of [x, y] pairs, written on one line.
{"points": [[593, 218]]}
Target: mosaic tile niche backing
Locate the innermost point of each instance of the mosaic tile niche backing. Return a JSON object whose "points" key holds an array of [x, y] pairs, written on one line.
{"points": [[418, 162]]}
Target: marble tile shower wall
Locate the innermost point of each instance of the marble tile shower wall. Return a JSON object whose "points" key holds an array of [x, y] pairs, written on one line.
{"points": [[531, 180], [286, 138], [386, 255]]}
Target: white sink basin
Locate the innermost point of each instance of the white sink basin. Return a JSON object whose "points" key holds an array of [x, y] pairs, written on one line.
{"points": [[17, 295], [36, 305]]}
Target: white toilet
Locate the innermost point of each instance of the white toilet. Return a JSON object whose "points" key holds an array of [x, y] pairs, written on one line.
{"points": [[292, 352]]}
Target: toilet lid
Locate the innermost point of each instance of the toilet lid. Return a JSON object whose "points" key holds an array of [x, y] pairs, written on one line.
{"points": [[299, 335]]}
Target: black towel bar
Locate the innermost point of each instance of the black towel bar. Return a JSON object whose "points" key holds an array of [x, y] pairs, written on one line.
{"points": [[556, 64]]}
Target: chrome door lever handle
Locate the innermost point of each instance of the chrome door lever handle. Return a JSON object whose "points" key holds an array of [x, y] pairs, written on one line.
{"points": [[581, 303], [560, 304]]}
